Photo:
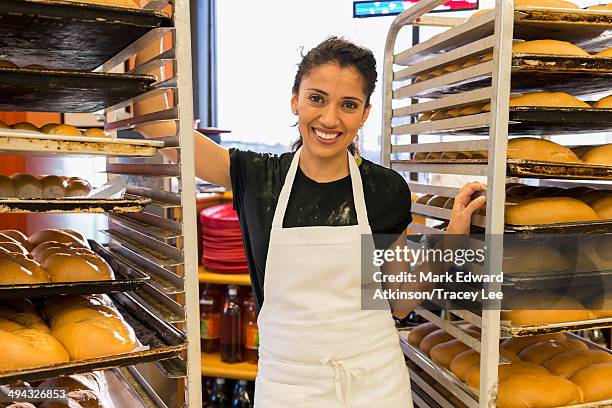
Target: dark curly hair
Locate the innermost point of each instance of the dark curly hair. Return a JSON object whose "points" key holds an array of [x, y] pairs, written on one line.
{"points": [[345, 54]]}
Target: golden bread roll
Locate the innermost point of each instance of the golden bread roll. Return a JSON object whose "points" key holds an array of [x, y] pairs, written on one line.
{"points": [[451, 68], [594, 381], [55, 235], [14, 273], [53, 187], [422, 77], [472, 378], [39, 249], [531, 148], [581, 150], [27, 186], [423, 199], [517, 344], [14, 247], [75, 234], [77, 268], [7, 187], [419, 156], [545, 4], [471, 63], [433, 155], [537, 390], [437, 201], [453, 113], [95, 132], [72, 314], [24, 318], [3, 125], [604, 102], [55, 304], [65, 130], [21, 405], [604, 53], [603, 207], [549, 210], [595, 253], [599, 155], [25, 126], [47, 128], [470, 110], [541, 352], [544, 309], [35, 66], [548, 47], [439, 114], [42, 256], [94, 381], [115, 3], [420, 331], [545, 99], [567, 364], [591, 196], [432, 339], [29, 348], [7, 64], [77, 188], [425, 116], [449, 204], [601, 7], [16, 235], [443, 353], [599, 305], [533, 257], [463, 362], [480, 154], [456, 155]]}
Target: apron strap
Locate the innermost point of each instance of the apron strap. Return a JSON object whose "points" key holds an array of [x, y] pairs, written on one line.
{"points": [[356, 183], [343, 378]]}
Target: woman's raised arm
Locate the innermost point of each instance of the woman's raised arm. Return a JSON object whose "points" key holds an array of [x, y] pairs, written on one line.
{"points": [[212, 162]]}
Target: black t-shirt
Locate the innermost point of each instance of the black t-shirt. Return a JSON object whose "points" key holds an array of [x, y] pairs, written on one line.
{"points": [[257, 180]]}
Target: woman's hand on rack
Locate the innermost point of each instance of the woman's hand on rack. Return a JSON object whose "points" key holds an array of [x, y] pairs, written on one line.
{"points": [[464, 207]]}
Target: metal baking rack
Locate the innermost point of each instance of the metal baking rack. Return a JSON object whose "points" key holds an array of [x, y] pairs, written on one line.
{"points": [[127, 278], [73, 205], [531, 330], [487, 82], [67, 35], [47, 90], [161, 241]]}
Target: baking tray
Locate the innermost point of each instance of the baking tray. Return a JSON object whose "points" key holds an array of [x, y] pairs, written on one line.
{"points": [[34, 143], [579, 75], [63, 35], [520, 331], [127, 278], [67, 91], [553, 280], [73, 205], [582, 227], [165, 342]]}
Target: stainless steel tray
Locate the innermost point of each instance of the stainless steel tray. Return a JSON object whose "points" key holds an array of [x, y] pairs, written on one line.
{"points": [[73, 205]]}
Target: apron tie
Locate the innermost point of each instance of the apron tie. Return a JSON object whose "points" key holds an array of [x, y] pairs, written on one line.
{"points": [[343, 374]]}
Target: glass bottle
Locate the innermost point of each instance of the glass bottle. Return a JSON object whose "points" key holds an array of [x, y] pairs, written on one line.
{"points": [[231, 328], [241, 397], [218, 399], [250, 332], [210, 319]]}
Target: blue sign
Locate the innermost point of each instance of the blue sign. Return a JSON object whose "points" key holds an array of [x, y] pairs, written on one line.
{"points": [[363, 9]]}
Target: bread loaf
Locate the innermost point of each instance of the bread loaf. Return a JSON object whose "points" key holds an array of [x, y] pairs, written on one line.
{"points": [[7, 64], [463, 362], [471, 109], [548, 47], [77, 188], [604, 102], [422, 330], [601, 7], [57, 236], [439, 114], [594, 381], [27, 186], [594, 253], [16, 235], [432, 339], [437, 201], [77, 268], [472, 378], [95, 132], [14, 247], [449, 204], [517, 344], [547, 99], [591, 196], [65, 130], [603, 207], [21, 273], [537, 390], [433, 155], [423, 199], [7, 187], [545, 4], [443, 353], [545, 309], [604, 53], [541, 352], [115, 3], [533, 257], [425, 116], [419, 156], [25, 126], [47, 128], [53, 187], [599, 155], [456, 155], [567, 364], [549, 210], [600, 305]]}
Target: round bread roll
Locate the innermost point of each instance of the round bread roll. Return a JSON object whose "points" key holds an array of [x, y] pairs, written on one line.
{"points": [[7, 64], [425, 116], [543, 308], [551, 99], [604, 102], [77, 188], [532, 257], [7, 187], [603, 207], [14, 273], [40, 249], [463, 362], [594, 381], [424, 199], [545, 3], [16, 235], [53, 305], [65, 130], [604, 53], [567, 364], [443, 353], [27, 186], [433, 155], [419, 156], [472, 378], [437, 201], [14, 248], [599, 155], [601, 7], [115, 3], [480, 154], [53, 187], [47, 128], [72, 314], [549, 210], [470, 109], [600, 305], [434, 338], [3, 125], [537, 390], [42, 256], [591, 196], [517, 344], [29, 348], [82, 268], [439, 114], [449, 204], [56, 235], [422, 330], [541, 352], [95, 132], [75, 234], [25, 126], [24, 319], [531, 148], [548, 47], [456, 155]]}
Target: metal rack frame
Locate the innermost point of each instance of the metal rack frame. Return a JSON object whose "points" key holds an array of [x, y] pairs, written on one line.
{"points": [[491, 31]]}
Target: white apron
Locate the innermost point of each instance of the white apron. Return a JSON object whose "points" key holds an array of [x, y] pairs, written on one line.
{"points": [[317, 348]]}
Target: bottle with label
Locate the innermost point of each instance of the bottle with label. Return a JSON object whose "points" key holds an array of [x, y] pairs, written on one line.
{"points": [[250, 332], [210, 319], [241, 397], [218, 399], [231, 328]]}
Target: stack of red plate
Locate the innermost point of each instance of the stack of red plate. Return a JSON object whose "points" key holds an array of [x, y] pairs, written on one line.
{"points": [[222, 249]]}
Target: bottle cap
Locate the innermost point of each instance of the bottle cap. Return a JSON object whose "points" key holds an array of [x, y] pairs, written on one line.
{"points": [[232, 290], [220, 381]]}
